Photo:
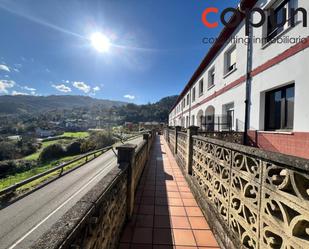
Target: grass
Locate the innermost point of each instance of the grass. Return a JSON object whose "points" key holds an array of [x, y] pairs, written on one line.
{"points": [[10, 180], [37, 182], [82, 134], [36, 155]]}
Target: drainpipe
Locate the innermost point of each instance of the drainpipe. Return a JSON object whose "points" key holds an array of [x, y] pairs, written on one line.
{"points": [[248, 82], [190, 99]]}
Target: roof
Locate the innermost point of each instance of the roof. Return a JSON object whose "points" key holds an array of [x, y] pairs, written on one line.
{"points": [[213, 51]]}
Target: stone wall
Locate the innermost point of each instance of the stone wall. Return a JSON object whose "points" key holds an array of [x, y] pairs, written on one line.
{"points": [[96, 221], [250, 197]]}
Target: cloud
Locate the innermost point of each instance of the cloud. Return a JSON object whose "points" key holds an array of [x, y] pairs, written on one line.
{"points": [[16, 70], [5, 68], [17, 65], [62, 88], [128, 96], [82, 86], [5, 85], [29, 88], [15, 93], [96, 89]]}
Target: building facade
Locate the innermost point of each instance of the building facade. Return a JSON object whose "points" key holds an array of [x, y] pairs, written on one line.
{"points": [[270, 74]]}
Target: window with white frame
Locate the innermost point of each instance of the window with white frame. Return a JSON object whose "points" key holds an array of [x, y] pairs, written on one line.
{"points": [[193, 118], [280, 17], [211, 77], [201, 87], [230, 59], [188, 99]]}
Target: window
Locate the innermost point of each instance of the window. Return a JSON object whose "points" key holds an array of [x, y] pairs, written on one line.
{"points": [[201, 87], [230, 60], [280, 16], [279, 109], [193, 118], [211, 77], [193, 94], [188, 99]]}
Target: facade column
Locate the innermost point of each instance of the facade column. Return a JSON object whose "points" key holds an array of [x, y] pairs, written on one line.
{"points": [[191, 131], [126, 153], [168, 134], [177, 129], [146, 138]]}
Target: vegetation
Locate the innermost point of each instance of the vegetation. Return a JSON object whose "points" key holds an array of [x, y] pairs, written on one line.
{"points": [[20, 176], [23, 104], [82, 134], [22, 115], [151, 112], [52, 152], [17, 149]]}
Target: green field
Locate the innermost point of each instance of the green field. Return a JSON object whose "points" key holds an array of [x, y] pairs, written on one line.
{"points": [[82, 134], [61, 139], [8, 181], [36, 155]]}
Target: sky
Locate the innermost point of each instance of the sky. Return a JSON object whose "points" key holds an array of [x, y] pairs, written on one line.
{"points": [[154, 47]]}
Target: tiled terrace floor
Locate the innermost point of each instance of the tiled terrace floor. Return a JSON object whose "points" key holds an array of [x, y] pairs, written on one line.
{"points": [[166, 214]]}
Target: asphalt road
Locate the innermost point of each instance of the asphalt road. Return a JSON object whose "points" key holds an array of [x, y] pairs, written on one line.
{"points": [[26, 220]]}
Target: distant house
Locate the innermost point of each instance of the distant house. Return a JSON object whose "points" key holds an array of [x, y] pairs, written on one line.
{"points": [[14, 138], [44, 133], [150, 125], [128, 125]]}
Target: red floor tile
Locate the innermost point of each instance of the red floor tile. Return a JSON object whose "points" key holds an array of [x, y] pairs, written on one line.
{"points": [[198, 223], [194, 211], [205, 238], [166, 215], [146, 209], [142, 236], [162, 236], [144, 221], [180, 222], [177, 211], [162, 221], [183, 237]]}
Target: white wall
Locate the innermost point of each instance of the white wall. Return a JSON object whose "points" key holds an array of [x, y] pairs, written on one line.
{"points": [[294, 69]]}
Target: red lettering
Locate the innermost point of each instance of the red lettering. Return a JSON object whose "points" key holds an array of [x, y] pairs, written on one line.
{"points": [[204, 17]]}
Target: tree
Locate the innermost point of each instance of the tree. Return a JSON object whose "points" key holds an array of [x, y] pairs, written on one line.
{"points": [[74, 148], [7, 151], [51, 152], [102, 139]]}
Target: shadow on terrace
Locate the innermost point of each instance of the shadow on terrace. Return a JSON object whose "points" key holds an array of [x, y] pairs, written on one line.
{"points": [[166, 214]]}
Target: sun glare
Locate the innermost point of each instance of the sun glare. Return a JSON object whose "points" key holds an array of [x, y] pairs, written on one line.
{"points": [[100, 42]]}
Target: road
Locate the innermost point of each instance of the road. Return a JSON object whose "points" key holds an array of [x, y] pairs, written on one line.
{"points": [[24, 221]]}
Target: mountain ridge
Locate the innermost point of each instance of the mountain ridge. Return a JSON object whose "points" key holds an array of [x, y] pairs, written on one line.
{"points": [[23, 104]]}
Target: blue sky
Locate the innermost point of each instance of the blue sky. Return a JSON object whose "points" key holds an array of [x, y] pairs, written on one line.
{"points": [[156, 46]]}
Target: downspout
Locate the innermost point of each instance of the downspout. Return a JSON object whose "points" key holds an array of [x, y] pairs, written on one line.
{"points": [[190, 99], [248, 82]]}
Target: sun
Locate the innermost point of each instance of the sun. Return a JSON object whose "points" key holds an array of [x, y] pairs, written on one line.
{"points": [[100, 42]]}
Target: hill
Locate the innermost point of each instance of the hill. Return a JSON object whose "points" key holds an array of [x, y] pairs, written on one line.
{"points": [[32, 104], [151, 112]]}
